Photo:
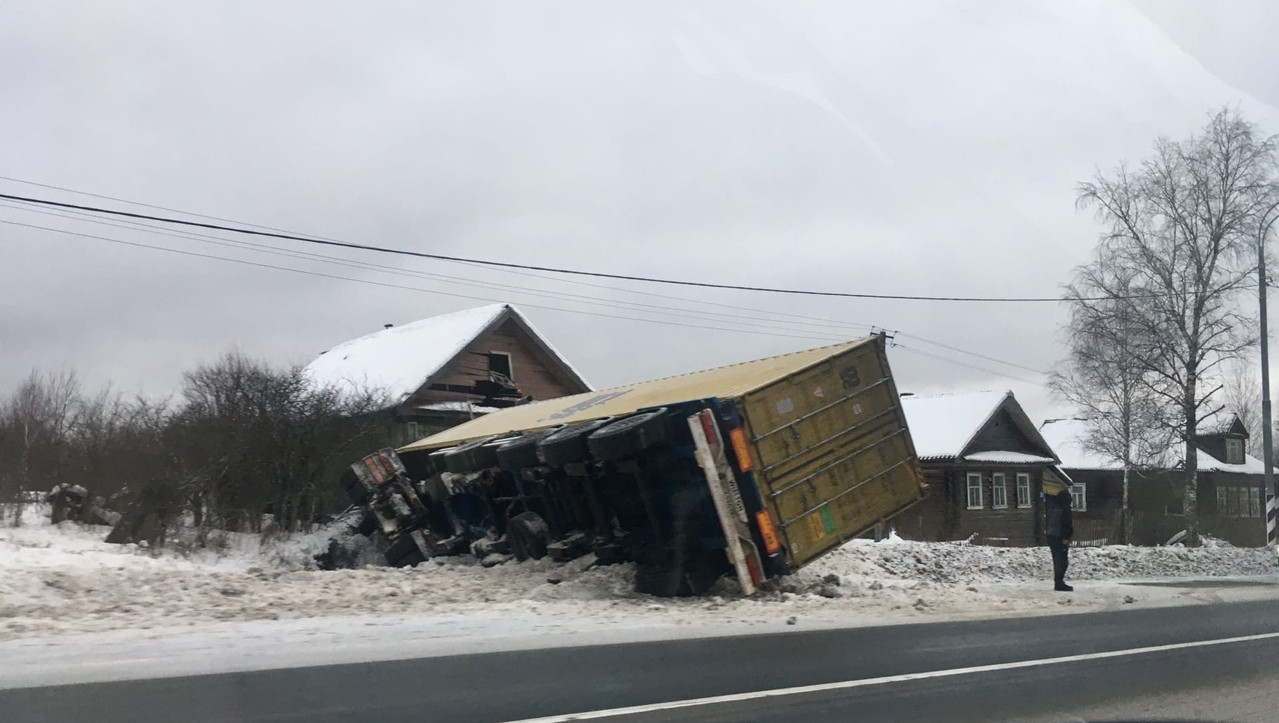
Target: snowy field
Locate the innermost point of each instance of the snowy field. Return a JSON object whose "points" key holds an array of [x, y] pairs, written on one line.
{"points": [[72, 605]]}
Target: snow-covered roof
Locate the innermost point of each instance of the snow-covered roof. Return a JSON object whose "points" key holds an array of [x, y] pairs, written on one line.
{"points": [[401, 359], [1251, 465], [1066, 437], [1001, 457], [1220, 423], [942, 425]]}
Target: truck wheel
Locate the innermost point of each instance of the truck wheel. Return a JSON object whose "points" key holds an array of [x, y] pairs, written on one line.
{"points": [[568, 444], [528, 535], [368, 524], [521, 452], [403, 553], [628, 437], [472, 457]]}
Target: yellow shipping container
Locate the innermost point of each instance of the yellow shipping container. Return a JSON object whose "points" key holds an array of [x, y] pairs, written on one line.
{"points": [[832, 455]]}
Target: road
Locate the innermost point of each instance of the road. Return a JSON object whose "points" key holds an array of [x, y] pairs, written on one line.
{"points": [[859, 667]]}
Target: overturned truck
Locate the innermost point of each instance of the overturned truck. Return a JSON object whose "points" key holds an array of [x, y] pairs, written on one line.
{"points": [[753, 469]]}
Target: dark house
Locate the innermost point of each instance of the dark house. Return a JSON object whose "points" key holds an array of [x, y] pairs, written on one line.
{"points": [[445, 370], [985, 464], [1231, 486]]}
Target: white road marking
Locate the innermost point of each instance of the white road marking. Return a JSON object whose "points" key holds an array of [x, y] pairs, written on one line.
{"points": [[868, 682]]}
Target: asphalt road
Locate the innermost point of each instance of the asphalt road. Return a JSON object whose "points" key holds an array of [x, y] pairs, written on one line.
{"points": [[507, 686]]}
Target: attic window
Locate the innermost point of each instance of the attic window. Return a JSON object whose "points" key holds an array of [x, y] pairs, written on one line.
{"points": [[1234, 450], [500, 363]]}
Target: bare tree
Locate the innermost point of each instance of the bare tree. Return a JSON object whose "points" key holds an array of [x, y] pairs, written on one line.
{"points": [[1178, 248], [1241, 394], [1106, 379], [38, 421]]}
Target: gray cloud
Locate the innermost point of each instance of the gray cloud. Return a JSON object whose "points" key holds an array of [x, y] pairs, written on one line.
{"points": [[924, 148]]}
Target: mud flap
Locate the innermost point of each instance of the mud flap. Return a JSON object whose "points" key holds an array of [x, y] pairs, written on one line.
{"points": [[729, 507]]}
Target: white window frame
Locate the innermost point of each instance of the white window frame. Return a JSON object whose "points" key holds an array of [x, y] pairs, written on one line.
{"points": [[1256, 504], [981, 501], [1079, 497], [1237, 444], [998, 489], [1023, 484]]}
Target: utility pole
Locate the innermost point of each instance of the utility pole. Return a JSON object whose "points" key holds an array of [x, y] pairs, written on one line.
{"points": [[1267, 450]]}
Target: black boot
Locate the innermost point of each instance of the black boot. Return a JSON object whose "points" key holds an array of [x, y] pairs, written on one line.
{"points": [[1063, 587]]}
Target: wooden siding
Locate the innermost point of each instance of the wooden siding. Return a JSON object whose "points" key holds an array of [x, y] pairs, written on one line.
{"points": [[1154, 500], [1020, 526], [944, 513], [1002, 434], [933, 519], [532, 371]]}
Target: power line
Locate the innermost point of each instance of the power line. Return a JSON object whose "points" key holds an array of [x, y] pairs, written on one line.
{"points": [[246, 262], [755, 320], [997, 360], [753, 323], [221, 240], [404, 287], [528, 267], [979, 368]]}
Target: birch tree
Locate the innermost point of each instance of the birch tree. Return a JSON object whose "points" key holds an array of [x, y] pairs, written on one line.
{"points": [[1106, 379], [1178, 247], [1241, 390]]}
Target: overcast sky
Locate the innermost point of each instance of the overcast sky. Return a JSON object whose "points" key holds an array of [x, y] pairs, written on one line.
{"points": [[923, 148]]}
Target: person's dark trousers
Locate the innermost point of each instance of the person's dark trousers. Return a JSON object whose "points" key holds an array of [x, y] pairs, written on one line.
{"points": [[1061, 560]]}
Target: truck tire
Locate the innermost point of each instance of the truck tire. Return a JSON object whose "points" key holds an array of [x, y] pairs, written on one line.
{"points": [[403, 553], [521, 452], [528, 535], [569, 444], [472, 457], [628, 437], [368, 524]]}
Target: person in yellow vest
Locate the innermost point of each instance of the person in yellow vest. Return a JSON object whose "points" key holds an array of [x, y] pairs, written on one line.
{"points": [[1059, 529]]}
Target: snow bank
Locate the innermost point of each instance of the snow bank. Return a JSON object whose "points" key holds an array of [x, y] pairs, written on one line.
{"points": [[64, 579]]}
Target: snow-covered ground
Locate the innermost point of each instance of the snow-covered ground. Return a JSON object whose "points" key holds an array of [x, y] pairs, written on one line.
{"points": [[74, 608]]}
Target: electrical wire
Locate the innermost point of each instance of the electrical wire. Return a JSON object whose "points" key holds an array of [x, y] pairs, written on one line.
{"points": [[400, 286], [530, 267], [815, 337], [753, 323]]}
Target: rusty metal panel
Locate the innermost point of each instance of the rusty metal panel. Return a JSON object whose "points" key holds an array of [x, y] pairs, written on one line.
{"points": [[833, 454]]}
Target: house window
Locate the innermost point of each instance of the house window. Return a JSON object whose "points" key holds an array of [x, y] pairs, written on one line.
{"points": [[413, 431], [1239, 502], [1234, 450], [998, 491], [1079, 496], [500, 363], [974, 491], [1023, 489]]}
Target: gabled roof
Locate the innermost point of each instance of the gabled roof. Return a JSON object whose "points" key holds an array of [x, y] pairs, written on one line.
{"points": [[1220, 423], [403, 359], [943, 426], [1068, 436]]}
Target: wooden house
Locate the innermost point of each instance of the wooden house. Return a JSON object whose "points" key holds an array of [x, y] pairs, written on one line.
{"points": [[985, 464], [442, 371], [1231, 486]]}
